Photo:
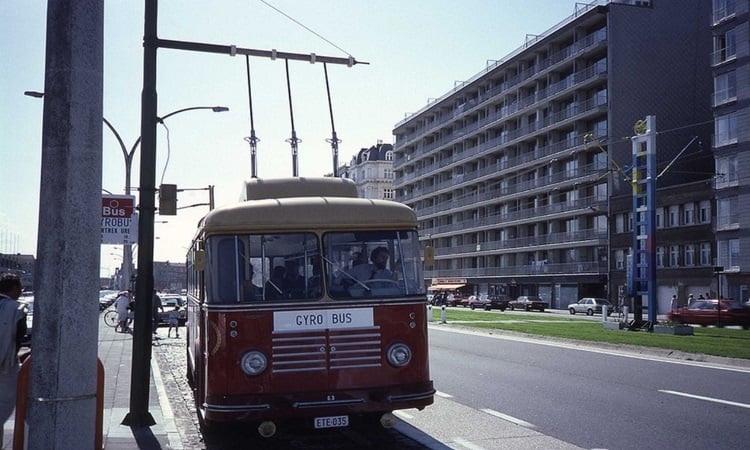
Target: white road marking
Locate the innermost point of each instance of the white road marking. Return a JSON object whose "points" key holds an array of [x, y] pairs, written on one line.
{"points": [[466, 444], [443, 394], [512, 419], [708, 399]]}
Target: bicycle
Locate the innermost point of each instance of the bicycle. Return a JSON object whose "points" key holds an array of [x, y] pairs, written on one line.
{"points": [[110, 318]]}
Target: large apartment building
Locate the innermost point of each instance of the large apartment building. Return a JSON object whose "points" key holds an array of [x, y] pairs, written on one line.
{"points": [[730, 62], [513, 173]]}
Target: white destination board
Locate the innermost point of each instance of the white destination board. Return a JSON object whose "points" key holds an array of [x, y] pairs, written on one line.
{"points": [[321, 319]]}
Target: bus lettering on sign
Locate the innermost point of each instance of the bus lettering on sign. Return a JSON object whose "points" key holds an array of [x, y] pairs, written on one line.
{"points": [[321, 319], [119, 220]]}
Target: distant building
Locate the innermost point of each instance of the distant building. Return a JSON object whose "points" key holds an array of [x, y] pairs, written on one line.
{"points": [[515, 174], [169, 276], [372, 171], [730, 63]]}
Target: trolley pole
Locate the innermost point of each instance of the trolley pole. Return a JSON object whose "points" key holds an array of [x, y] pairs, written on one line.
{"points": [[144, 288]]}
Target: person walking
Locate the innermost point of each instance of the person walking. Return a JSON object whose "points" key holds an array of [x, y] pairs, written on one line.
{"points": [[174, 321], [122, 304], [12, 331]]}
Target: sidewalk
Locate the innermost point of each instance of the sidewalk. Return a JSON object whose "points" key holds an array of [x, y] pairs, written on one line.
{"points": [[115, 352]]}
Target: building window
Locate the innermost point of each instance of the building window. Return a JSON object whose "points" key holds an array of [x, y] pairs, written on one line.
{"points": [[725, 88], [726, 213], [388, 194], [620, 223], [725, 129], [389, 156], [728, 253], [659, 218], [688, 214], [690, 255], [726, 171], [704, 211], [660, 256], [619, 259], [674, 216], [705, 256], [674, 256], [725, 47], [723, 10]]}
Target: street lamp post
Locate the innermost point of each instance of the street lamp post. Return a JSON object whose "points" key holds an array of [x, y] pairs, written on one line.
{"points": [[127, 260]]}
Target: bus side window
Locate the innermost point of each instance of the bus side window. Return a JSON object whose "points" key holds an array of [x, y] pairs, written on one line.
{"points": [[225, 271]]}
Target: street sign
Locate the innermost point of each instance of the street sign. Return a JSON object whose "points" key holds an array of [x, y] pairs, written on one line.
{"points": [[119, 219]]}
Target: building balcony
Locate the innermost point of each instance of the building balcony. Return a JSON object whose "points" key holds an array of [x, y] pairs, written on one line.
{"points": [[571, 269]]}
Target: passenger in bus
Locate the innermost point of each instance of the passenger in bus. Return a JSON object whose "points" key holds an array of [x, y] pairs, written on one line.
{"points": [[294, 283], [274, 285], [377, 270], [251, 292]]}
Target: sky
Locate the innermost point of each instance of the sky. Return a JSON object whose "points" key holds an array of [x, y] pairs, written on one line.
{"points": [[417, 51]]}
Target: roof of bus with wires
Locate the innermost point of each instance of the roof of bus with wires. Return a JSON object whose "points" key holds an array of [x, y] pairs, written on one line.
{"points": [[289, 204]]}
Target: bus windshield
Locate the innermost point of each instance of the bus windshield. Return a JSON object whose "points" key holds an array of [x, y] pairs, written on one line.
{"points": [[253, 268], [367, 264]]}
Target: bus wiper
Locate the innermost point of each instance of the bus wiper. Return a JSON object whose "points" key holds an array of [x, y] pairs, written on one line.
{"points": [[350, 276]]}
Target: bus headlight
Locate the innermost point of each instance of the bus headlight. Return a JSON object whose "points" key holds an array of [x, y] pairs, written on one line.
{"points": [[399, 355], [254, 363]]}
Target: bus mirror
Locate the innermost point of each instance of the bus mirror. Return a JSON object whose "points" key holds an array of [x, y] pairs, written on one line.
{"points": [[199, 260], [429, 255]]}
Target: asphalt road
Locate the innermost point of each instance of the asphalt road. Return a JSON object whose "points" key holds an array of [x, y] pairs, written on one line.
{"points": [[593, 398], [503, 391]]}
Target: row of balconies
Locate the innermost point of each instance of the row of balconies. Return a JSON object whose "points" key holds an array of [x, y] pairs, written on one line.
{"points": [[568, 239], [525, 75], [514, 218], [579, 175], [572, 268], [508, 138], [506, 112]]}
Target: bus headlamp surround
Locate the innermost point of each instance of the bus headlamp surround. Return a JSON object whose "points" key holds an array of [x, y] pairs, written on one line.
{"points": [[399, 354], [254, 363]]}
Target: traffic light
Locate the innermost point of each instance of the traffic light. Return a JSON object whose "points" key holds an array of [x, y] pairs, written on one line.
{"points": [[168, 200]]}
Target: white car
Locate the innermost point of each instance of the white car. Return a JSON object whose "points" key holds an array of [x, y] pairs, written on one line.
{"points": [[168, 302], [590, 306]]}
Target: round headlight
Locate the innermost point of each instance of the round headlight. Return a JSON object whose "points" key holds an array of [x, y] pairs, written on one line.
{"points": [[399, 355], [254, 363]]}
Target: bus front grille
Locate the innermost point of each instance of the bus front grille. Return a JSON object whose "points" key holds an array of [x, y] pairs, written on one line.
{"points": [[320, 350]]}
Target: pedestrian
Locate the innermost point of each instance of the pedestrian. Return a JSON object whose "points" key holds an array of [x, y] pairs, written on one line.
{"points": [[155, 307], [690, 299], [12, 331], [122, 305], [674, 302], [174, 321]]}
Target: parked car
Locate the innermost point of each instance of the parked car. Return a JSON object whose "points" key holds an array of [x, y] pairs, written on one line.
{"points": [[454, 300], [28, 300], [106, 298], [528, 302], [168, 302], [590, 306], [706, 312], [487, 302]]}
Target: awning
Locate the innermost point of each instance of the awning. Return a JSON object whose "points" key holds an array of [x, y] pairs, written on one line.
{"points": [[444, 287]]}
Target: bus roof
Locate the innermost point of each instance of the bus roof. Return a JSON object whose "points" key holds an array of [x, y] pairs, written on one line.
{"points": [[297, 206], [257, 188]]}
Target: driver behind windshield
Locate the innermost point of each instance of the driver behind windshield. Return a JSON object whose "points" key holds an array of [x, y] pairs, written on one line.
{"points": [[377, 270]]}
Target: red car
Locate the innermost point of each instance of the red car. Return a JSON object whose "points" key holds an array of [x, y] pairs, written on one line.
{"points": [[705, 312]]}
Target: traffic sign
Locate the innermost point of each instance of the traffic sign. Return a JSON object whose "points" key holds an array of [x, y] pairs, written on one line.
{"points": [[119, 219]]}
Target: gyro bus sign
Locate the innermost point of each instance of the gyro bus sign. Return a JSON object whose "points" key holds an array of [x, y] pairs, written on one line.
{"points": [[119, 219]]}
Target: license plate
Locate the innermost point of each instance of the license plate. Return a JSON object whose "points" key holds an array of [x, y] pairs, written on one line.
{"points": [[332, 422]]}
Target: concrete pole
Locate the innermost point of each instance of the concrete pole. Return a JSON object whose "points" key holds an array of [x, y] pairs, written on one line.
{"points": [[62, 391]]}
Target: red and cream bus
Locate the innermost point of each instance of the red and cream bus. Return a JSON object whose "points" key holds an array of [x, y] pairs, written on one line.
{"points": [[305, 301]]}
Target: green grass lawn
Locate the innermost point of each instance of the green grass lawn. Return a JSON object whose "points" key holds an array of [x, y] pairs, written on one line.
{"points": [[731, 343]]}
